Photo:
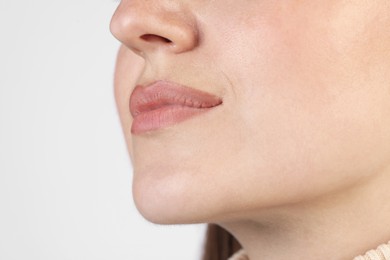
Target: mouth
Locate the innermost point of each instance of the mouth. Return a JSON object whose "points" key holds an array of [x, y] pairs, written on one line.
{"points": [[163, 103]]}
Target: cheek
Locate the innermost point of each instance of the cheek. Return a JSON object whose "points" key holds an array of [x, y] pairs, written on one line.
{"points": [[306, 110], [324, 145]]}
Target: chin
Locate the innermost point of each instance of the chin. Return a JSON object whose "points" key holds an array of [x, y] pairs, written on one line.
{"points": [[166, 199]]}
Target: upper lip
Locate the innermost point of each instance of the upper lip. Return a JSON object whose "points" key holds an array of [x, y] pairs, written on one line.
{"points": [[164, 93]]}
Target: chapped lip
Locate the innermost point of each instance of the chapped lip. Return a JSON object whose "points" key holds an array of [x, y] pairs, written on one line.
{"points": [[164, 103]]}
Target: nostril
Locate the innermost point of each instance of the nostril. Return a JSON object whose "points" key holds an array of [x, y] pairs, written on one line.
{"points": [[155, 38]]}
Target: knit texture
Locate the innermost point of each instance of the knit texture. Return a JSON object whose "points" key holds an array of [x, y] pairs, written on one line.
{"points": [[381, 253]]}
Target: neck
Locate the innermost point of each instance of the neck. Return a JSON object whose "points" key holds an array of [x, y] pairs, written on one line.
{"points": [[339, 226]]}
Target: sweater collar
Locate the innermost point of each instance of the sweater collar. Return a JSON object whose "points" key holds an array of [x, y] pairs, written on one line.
{"points": [[382, 252]]}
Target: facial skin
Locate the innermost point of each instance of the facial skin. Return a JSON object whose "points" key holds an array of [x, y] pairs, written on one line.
{"points": [[304, 129]]}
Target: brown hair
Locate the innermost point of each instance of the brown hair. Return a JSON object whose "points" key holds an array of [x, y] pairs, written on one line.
{"points": [[219, 243]]}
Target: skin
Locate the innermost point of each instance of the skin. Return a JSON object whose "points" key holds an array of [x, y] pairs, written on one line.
{"points": [[298, 156]]}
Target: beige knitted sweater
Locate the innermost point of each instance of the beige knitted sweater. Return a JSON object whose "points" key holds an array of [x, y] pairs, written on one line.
{"points": [[381, 253]]}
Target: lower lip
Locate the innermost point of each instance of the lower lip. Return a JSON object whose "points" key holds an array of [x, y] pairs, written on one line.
{"points": [[164, 117]]}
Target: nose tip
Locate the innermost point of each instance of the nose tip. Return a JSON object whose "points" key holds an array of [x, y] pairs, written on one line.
{"points": [[144, 26]]}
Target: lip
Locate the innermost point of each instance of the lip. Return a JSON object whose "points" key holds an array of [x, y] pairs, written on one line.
{"points": [[163, 103]]}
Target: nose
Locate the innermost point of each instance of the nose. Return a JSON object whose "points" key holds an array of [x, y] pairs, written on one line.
{"points": [[145, 26]]}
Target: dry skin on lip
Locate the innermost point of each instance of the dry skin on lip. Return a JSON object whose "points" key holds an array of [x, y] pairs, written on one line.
{"points": [[164, 93]]}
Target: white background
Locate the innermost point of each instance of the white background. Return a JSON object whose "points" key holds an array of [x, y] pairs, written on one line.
{"points": [[65, 177]]}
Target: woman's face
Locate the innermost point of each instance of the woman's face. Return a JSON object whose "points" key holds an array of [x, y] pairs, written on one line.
{"points": [[306, 102]]}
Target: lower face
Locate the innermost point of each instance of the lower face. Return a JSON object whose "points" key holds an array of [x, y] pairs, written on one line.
{"points": [[305, 113]]}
